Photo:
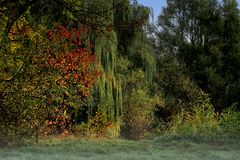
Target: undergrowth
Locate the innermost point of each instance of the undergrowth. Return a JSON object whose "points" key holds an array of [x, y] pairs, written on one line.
{"points": [[204, 124]]}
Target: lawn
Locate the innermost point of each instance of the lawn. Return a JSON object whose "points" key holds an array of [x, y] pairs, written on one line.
{"points": [[117, 149]]}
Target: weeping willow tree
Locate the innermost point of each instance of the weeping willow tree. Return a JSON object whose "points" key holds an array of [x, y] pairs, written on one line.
{"points": [[122, 50], [108, 89], [132, 38]]}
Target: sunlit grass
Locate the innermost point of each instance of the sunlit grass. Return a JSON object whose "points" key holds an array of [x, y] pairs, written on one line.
{"points": [[173, 148]]}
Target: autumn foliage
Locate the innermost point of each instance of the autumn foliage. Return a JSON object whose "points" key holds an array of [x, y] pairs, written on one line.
{"points": [[70, 54], [70, 64]]}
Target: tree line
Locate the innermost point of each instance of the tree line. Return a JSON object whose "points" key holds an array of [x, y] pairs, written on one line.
{"points": [[101, 68]]}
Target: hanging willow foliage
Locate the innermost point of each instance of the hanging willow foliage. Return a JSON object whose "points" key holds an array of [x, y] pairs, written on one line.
{"points": [[121, 48], [108, 87]]}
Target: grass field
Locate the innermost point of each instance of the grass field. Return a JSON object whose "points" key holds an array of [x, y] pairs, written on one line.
{"points": [[156, 149]]}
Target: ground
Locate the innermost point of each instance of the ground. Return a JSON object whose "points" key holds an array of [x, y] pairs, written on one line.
{"points": [[117, 149]]}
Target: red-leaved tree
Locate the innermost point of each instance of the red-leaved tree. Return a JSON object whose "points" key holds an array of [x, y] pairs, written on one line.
{"points": [[70, 64]]}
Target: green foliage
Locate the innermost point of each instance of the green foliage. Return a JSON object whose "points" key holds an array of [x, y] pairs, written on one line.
{"points": [[230, 122], [138, 107], [98, 126], [204, 35], [231, 51], [108, 86], [21, 100], [201, 123], [118, 53], [138, 114], [176, 89], [204, 124]]}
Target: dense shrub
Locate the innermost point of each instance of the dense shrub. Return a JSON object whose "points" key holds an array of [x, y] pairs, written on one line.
{"points": [[230, 122], [98, 126], [137, 115], [55, 72], [21, 100], [138, 107], [176, 88], [203, 123]]}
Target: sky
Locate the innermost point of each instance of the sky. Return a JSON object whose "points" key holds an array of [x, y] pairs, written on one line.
{"points": [[157, 5]]}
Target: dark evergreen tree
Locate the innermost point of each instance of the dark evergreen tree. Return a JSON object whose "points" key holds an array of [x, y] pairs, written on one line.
{"points": [[231, 51], [199, 36]]}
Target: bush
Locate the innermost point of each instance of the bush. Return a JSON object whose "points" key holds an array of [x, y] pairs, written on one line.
{"points": [[138, 115], [230, 122], [175, 86], [203, 123], [56, 70], [98, 125]]}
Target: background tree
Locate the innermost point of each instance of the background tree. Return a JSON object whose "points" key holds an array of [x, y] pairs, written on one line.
{"points": [[231, 51], [196, 32]]}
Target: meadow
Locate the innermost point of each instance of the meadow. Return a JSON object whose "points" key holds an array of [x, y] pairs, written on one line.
{"points": [[173, 148]]}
